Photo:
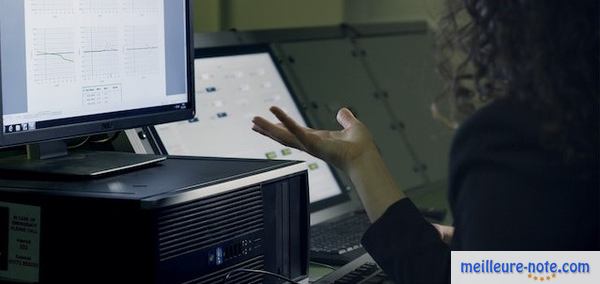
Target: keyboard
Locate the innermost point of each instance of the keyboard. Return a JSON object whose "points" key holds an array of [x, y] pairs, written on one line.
{"points": [[337, 241], [362, 270]]}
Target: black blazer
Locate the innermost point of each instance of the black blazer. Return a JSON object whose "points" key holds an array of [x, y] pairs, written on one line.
{"points": [[506, 192]]}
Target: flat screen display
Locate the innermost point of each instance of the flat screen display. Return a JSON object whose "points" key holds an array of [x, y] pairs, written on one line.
{"points": [[65, 62], [230, 91]]}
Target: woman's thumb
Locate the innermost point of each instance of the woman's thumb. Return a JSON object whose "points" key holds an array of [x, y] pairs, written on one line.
{"points": [[346, 118]]}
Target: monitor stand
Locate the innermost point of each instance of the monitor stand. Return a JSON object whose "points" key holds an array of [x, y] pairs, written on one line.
{"points": [[53, 158]]}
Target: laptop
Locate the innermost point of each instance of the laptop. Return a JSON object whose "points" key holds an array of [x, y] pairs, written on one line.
{"points": [[233, 85]]}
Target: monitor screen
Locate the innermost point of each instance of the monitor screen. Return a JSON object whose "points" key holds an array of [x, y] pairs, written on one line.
{"points": [[68, 62], [230, 91]]}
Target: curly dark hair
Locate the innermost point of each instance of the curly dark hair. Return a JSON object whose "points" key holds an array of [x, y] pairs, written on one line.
{"points": [[542, 52]]}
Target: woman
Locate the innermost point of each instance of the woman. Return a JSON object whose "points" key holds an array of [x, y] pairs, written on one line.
{"points": [[524, 164]]}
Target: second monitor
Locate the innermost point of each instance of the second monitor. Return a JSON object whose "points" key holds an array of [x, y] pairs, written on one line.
{"points": [[232, 87]]}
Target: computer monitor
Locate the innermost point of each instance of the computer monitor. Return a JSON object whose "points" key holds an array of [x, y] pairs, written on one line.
{"points": [[233, 85], [72, 68]]}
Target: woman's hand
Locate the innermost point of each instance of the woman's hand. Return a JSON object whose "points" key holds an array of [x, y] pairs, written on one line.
{"points": [[351, 149], [446, 233], [339, 148]]}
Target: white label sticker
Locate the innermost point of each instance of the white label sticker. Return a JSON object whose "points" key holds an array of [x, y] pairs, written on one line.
{"points": [[19, 242]]}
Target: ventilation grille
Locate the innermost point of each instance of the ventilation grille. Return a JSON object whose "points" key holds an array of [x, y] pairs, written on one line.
{"points": [[240, 277], [193, 226]]}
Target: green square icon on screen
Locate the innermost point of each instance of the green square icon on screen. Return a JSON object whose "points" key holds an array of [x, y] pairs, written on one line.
{"points": [[271, 155]]}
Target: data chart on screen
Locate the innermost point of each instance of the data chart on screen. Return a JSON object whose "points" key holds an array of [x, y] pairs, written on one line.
{"points": [[78, 58]]}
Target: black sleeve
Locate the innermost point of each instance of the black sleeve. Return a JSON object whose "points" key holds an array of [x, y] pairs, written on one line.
{"points": [[407, 247], [509, 192]]}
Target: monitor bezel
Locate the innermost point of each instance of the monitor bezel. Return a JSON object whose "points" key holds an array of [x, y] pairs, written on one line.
{"points": [[106, 122], [208, 52]]}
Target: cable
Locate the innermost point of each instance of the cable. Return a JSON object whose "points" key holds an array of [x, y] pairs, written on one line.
{"points": [[80, 144], [109, 138], [258, 272], [323, 265]]}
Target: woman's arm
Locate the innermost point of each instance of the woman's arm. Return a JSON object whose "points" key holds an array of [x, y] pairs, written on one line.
{"points": [[402, 242], [374, 184]]}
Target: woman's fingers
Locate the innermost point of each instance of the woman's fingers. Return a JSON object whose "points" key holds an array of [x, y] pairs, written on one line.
{"points": [[291, 125], [446, 232], [346, 118], [289, 132], [276, 132]]}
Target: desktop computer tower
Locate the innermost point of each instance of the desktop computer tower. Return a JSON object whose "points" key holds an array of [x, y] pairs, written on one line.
{"points": [[186, 220]]}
